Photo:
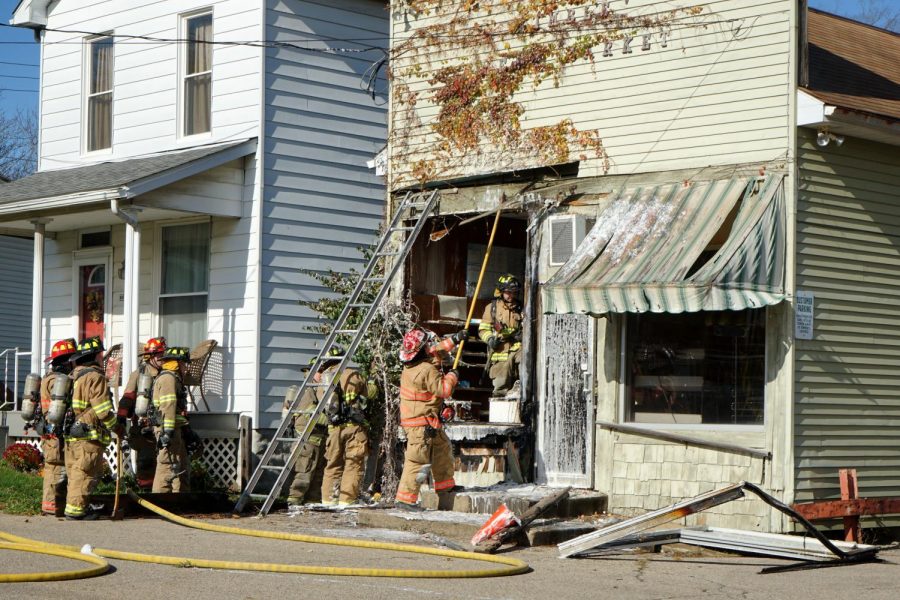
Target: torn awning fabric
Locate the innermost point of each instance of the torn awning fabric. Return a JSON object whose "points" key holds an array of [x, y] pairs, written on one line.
{"points": [[638, 255]]}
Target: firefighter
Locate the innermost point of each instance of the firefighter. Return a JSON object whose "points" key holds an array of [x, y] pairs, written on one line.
{"points": [[501, 330], [306, 485], [348, 438], [423, 389], [52, 443], [173, 469], [141, 437], [92, 419]]}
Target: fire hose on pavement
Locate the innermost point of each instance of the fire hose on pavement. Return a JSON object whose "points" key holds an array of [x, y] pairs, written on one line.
{"points": [[509, 566]]}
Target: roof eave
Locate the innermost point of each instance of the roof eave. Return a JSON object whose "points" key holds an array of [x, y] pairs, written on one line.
{"points": [[56, 202], [30, 13], [815, 113]]}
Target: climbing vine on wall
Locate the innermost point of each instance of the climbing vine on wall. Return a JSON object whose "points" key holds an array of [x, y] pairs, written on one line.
{"points": [[469, 67]]}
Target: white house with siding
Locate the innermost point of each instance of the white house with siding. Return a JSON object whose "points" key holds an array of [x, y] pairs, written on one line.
{"points": [[717, 304], [195, 158]]}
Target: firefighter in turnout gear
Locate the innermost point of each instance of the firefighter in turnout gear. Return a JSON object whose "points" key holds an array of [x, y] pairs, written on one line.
{"points": [[52, 441], [173, 468], [501, 330], [306, 485], [134, 406], [93, 418], [423, 389], [348, 438]]}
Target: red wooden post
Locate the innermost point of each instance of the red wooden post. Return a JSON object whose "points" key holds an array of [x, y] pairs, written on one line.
{"points": [[850, 491]]}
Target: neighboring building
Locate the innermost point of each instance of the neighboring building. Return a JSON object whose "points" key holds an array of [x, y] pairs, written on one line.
{"points": [[184, 186], [15, 311], [718, 305]]}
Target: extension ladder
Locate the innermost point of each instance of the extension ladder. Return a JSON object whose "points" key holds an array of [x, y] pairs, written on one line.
{"points": [[415, 207]]}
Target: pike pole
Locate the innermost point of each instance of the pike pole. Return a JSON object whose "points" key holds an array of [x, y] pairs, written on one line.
{"points": [[484, 264]]}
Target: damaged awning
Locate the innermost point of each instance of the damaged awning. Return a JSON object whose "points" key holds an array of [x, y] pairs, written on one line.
{"points": [[638, 256]]}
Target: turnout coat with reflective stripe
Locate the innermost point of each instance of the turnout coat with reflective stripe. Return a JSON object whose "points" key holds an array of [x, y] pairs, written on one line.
{"points": [[168, 399], [422, 392], [91, 404], [502, 320]]}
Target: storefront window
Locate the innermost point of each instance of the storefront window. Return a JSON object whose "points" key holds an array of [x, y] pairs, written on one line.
{"points": [[705, 368]]}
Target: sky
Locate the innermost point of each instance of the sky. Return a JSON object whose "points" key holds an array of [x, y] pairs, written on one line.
{"points": [[18, 48]]}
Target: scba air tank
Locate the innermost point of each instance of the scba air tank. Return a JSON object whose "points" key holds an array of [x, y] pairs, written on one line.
{"points": [[59, 399], [142, 403], [31, 396]]}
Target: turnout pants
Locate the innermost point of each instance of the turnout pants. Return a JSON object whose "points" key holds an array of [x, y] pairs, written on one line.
{"points": [[504, 373], [306, 485], [422, 450], [84, 466], [173, 469], [54, 497], [345, 452]]}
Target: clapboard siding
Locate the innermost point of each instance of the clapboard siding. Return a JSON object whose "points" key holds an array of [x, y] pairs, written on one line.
{"points": [[145, 80], [717, 94], [321, 202], [15, 302], [847, 404]]}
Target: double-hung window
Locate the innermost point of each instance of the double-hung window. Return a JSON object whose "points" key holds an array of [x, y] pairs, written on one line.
{"points": [[196, 90], [184, 284], [98, 129]]}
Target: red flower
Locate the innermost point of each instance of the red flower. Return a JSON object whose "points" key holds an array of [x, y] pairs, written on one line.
{"points": [[23, 457]]}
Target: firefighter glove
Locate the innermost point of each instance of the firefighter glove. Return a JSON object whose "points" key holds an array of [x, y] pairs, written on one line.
{"points": [[454, 372], [459, 336], [165, 438], [493, 342]]}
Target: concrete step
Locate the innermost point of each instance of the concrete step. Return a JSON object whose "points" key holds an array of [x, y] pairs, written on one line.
{"points": [[518, 498]]}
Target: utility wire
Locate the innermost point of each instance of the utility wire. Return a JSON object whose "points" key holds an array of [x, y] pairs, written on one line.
{"points": [[2, 75], [19, 64]]}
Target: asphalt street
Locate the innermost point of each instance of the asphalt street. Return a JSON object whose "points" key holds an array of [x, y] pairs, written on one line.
{"points": [[644, 576]]}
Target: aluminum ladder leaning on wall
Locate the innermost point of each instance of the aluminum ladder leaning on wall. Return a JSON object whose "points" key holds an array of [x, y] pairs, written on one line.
{"points": [[416, 207]]}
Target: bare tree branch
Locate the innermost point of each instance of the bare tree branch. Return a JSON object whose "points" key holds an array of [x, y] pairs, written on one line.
{"points": [[18, 143]]}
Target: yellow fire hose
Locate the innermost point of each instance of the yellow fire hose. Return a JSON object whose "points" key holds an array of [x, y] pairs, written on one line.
{"points": [[510, 566], [484, 264], [100, 566]]}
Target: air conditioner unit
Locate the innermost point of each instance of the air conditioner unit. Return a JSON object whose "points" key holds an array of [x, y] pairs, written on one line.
{"points": [[566, 233]]}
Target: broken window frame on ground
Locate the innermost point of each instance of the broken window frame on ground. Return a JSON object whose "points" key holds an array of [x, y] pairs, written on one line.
{"points": [[637, 532]]}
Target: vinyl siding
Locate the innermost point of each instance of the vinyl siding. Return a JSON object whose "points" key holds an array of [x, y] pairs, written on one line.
{"points": [[15, 304], [321, 202], [847, 404], [146, 77], [716, 95]]}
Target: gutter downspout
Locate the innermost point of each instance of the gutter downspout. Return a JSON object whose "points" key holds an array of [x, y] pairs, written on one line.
{"points": [[130, 304]]}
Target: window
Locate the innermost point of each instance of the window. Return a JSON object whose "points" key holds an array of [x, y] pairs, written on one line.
{"points": [[197, 86], [99, 94], [184, 284], [94, 238], [696, 368]]}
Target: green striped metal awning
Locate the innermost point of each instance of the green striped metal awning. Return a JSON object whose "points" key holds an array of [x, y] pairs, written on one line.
{"points": [[638, 255]]}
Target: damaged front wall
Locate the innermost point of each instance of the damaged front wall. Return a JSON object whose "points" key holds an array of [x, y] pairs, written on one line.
{"points": [[640, 473]]}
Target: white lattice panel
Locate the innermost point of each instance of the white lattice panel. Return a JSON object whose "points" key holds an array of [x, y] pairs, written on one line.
{"points": [[220, 456]]}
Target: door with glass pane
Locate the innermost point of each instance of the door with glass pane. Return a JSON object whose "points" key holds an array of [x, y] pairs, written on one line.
{"points": [[184, 283], [91, 296], [565, 447]]}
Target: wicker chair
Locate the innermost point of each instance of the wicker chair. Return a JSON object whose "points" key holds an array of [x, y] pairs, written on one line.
{"points": [[112, 366], [193, 379]]}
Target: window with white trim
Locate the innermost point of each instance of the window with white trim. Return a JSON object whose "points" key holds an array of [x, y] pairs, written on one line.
{"points": [[196, 87], [99, 123], [184, 283]]}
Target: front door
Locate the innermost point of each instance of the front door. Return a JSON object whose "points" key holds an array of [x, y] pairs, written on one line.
{"points": [[92, 297], [565, 449]]}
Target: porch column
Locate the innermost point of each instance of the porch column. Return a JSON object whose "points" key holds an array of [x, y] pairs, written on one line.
{"points": [[130, 309], [134, 319], [127, 365], [37, 295]]}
